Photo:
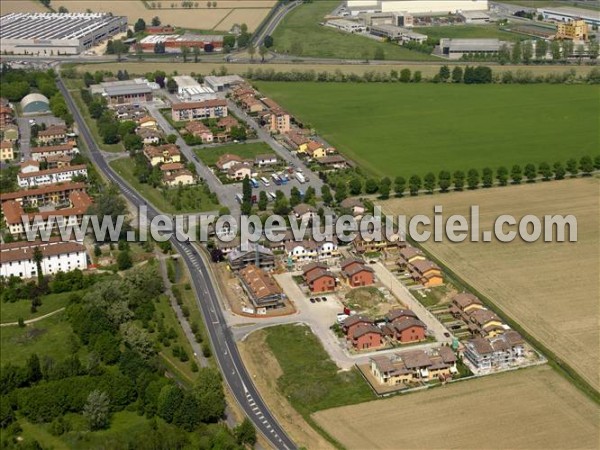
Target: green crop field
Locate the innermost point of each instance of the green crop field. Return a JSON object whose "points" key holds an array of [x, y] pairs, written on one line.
{"points": [[469, 31], [301, 34], [406, 129]]}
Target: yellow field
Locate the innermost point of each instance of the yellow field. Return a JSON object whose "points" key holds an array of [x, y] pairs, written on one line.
{"points": [[196, 18], [550, 289], [207, 67], [528, 409], [251, 17], [20, 6]]}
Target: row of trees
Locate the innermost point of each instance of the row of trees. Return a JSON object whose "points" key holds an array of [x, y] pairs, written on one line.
{"points": [[474, 179], [468, 75]]}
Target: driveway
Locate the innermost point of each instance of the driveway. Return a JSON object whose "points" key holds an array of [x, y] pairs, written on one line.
{"points": [[389, 280]]}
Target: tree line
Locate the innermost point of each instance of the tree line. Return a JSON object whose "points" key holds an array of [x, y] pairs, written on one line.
{"points": [[459, 74], [473, 178]]}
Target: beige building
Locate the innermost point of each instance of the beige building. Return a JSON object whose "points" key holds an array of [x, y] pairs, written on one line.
{"points": [[7, 151], [575, 30]]}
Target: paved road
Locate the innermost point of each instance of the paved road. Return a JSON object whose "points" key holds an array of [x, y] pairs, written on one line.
{"points": [[268, 29], [224, 348]]}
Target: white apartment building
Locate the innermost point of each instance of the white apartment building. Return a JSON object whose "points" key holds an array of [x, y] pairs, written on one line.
{"points": [[17, 258], [32, 178]]}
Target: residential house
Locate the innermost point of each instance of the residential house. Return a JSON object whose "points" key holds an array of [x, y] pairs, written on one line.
{"points": [[464, 304], [315, 149], [40, 153], [148, 123], [297, 141], [228, 123], [50, 176], [408, 255], [7, 151], [303, 251], [265, 160], [356, 207], [319, 279], [6, 116], [149, 136], [174, 174], [333, 162], [414, 366], [486, 323], [17, 258], [364, 337], [305, 212], [53, 133], [499, 352], [251, 254], [208, 109], [388, 372], [239, 171], [58, 162], [227, 161], [426, 273], [406, 330], [200, 131], [370, 245], [262, 289], [160, 154], [227, 247], [30, 166], [252, 105], [356, 273], [350, 323]]}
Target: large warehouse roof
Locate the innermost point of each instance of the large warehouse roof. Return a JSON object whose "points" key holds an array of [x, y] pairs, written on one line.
{"points": [[53, 25], [32, 98], [471, 45]]}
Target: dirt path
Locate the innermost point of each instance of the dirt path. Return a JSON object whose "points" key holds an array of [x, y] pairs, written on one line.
{"points": [[27, 322]]}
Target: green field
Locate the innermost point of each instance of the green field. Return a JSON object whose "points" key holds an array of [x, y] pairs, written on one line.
{"points": [[11, 312], [406, 129], [301, 26], [49, 337], [211, 155], [194, 198], [469, 31], [310, 379]]}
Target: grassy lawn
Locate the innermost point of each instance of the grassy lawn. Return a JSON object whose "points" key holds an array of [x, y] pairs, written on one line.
{"points": [[91, 123], [48, 337], [469, 31], [406, 129], [210, 156], [194, 198], [11, 312], [302, 26], [310, 379]]}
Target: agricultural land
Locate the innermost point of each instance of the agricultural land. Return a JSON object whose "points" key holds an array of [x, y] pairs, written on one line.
{"points": [[415, 129], [526, 409], [549, 289], [211, 155], [20, 6], [301, 34], [220, 18]]}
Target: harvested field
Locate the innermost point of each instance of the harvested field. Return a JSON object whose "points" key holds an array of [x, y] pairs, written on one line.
{"points": [[21, 6], [265, 370], [550, 289], [251, 17], [527, 409], [428, 70], [195, 18]]}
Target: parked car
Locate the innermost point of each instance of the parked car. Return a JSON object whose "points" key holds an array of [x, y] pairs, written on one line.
{"points": [[318, 299], [312, 300], [324, 299]]}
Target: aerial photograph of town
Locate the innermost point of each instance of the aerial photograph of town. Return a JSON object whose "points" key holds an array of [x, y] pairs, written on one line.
{"points": [[300, 224]]}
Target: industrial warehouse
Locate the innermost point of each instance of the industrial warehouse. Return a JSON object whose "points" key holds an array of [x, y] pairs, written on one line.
{"points": [[56, 34]]}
